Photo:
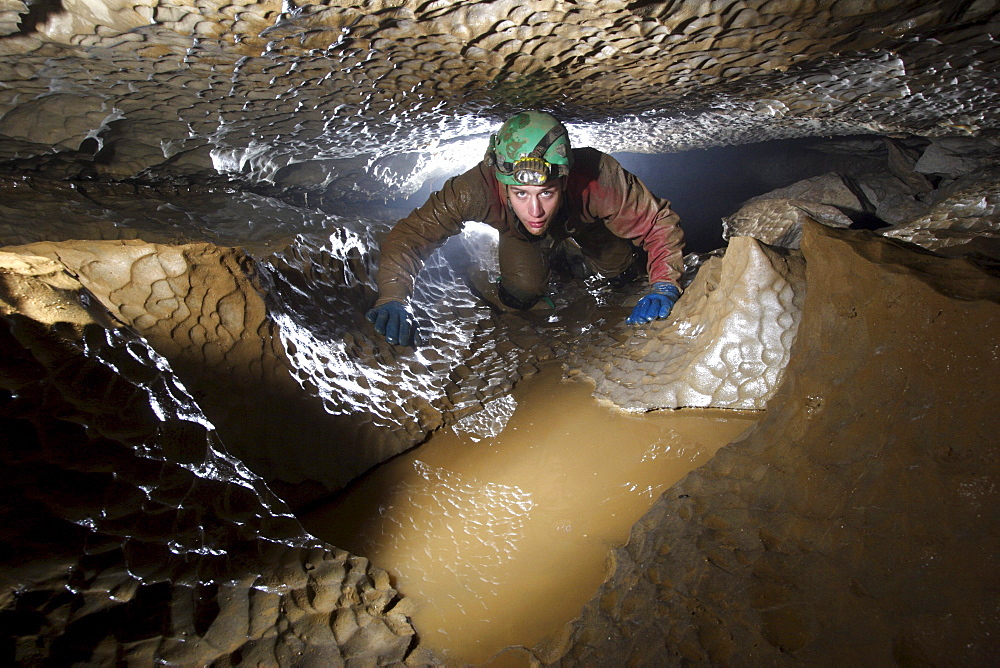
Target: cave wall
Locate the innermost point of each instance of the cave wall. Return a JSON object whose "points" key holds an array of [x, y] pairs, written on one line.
{"points": [[128, 535], [358, 101], [857, 522]]}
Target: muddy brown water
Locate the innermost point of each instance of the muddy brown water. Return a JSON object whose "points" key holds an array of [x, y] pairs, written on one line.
{"points": [[500, 540]]}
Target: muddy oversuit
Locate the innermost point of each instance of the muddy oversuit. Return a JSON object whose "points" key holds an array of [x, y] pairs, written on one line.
{"points": [[605, 211]]}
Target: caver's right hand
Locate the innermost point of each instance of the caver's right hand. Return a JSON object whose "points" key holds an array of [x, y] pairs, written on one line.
{"points": [[393, 321]]}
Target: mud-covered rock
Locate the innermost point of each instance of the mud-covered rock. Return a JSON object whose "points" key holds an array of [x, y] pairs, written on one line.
{"points": [[857, 522]]}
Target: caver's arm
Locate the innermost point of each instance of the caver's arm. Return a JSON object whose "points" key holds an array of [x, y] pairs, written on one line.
{"points": [[414, 238], [632, 212]]}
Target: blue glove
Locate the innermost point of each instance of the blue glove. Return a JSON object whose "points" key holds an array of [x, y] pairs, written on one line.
{"points": [[655, 305], [394, 322]]}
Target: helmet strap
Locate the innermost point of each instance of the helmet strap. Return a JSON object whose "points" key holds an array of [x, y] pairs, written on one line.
{"points": [[491, 158], [546, 141]]}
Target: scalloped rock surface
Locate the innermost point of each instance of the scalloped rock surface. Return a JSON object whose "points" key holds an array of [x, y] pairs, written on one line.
{"points": [[354, 97], [129, 536], [265, 378], [725, 345]]}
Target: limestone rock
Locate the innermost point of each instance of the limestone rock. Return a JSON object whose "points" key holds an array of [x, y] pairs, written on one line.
{"points": [[725, 344], [968, 218], [893, 200], [129, 147], [129, 534], [902, 163], [952, 157], [59, 119], [829, 189], [778, 222], [857, 522], [41, 289], [266, 382], [201, 308], [267, 85]]}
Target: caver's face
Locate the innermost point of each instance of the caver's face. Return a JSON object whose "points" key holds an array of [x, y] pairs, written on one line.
{"points": [[536, 206]]}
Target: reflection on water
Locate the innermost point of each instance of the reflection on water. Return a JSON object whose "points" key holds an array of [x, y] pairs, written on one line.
{"points": [[500, 529]]}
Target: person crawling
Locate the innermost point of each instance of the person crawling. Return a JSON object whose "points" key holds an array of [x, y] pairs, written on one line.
{"points": [[537, 191]]}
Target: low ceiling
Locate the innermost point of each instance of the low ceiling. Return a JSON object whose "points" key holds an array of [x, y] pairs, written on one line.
{"points": [[377, 95]]}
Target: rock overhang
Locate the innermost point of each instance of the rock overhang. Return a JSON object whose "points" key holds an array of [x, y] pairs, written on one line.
{"points": [[361, 99]]}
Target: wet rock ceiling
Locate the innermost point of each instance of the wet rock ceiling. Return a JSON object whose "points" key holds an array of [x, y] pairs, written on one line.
{"points": [[353, 93], [856, 525]]}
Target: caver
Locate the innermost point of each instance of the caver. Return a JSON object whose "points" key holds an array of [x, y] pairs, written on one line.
{"points": [[537, 191]]}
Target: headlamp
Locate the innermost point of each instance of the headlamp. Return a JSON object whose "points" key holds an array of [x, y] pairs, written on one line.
{"points": [[531, 171]]}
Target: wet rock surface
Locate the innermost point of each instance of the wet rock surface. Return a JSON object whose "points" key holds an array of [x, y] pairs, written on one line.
{"points": [[129, 535], [354, 97], [856, 523], [725, 345], [232, 330], [208, 184]]}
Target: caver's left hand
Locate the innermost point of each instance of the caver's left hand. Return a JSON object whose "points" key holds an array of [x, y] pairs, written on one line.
{"points": [[656, 305]]}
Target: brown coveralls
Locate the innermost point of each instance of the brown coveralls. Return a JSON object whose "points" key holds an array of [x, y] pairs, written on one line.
{"points": [[604, 208]]}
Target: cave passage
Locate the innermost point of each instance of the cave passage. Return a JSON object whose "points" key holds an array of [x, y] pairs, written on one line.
{"points": [[706, 185], [500, 529]]}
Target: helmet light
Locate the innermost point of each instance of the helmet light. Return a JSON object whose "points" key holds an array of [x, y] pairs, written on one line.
{"points": [[531, 171]]}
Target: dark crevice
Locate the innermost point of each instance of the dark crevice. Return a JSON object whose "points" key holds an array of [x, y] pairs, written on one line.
{"points": [[39, 12]]}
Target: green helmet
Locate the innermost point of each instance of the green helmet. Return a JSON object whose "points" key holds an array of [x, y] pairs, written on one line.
{"points": [[530, 149]]}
